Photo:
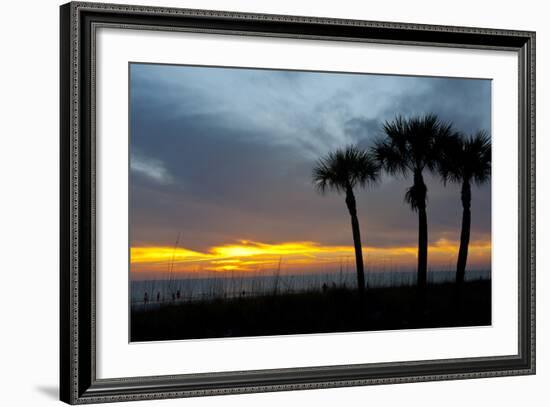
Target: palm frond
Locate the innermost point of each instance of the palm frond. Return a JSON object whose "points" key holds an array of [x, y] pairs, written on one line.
{"points": [[411, 144], [321, 175], [345, 168], [390, 157], [415, 196], [451, 157], [479, 148], [466, 158]]}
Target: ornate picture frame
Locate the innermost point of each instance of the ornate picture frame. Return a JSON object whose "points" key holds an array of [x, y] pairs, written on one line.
{"points": [[78, 323]]}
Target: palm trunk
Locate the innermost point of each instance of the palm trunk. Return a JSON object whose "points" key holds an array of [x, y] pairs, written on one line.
{"points": [[420, 187], [352, 208], [466, 197]]}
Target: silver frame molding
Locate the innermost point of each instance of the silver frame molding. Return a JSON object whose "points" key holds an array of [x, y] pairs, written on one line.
{"points": [[78, 381]]}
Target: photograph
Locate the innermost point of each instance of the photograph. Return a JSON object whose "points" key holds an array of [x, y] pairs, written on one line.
{"points": [[286, 202]]}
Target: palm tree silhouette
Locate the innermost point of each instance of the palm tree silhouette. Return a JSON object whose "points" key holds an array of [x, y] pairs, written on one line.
{"points": [[465, 160], [411, 146], [342, 171]]}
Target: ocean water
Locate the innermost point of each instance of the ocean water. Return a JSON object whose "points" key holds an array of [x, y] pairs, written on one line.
{"points": [[204, 288]]}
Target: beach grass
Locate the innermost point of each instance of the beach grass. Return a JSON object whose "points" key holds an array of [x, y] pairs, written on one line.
{"points": [[336, 309]]}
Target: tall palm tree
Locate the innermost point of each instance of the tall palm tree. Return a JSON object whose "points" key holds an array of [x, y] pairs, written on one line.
{"points": [[411, 146], [342, 171], [466, 160]]}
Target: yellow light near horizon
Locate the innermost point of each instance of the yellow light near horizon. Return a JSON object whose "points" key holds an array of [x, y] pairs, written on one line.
{"points": [[247, 248], [226, 268], [245, 256], [237, 251], [164, 254]]}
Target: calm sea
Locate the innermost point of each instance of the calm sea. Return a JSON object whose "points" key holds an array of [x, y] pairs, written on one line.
{"points": [[204, 288]]}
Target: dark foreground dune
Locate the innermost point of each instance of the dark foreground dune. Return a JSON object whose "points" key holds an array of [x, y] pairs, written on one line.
{"points": [[335, 310]]}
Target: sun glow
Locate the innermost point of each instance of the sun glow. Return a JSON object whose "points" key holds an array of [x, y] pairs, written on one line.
{"points": [[246, 256]]}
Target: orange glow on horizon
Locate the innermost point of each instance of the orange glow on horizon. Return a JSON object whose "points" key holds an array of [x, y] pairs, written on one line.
{"points": [[247, 256]]}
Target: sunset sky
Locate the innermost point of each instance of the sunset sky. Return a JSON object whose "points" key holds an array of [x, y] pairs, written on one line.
{"points": [[221, 161]]}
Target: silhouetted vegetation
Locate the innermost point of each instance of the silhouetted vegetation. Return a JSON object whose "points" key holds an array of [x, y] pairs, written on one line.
{"points": [[342, 171], [411, 146], [328, 310], [465, 160]]}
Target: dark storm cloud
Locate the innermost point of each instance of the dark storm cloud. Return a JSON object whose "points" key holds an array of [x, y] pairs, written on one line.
{"points": [[225, 154]]}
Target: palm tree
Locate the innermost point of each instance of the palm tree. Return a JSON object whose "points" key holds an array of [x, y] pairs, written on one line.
{"points": [[411, 146], [342, 171], [465, 160]]}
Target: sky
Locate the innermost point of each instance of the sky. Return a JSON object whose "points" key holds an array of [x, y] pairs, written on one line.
{"points": [[221, 162]]}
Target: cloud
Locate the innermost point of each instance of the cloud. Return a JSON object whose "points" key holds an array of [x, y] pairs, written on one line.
{"points": [[150, 168]]}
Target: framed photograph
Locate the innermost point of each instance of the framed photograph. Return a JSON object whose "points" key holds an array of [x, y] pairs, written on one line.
{"points": [[255, 203]]}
